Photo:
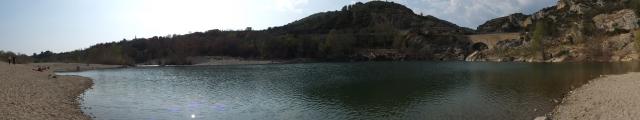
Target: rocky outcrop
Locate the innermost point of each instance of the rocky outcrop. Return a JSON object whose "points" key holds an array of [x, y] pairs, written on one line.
{"points": [[512, 23], [476, 56], [622, 47], [381, 54], [621, 20], [513, 43], [574, 30]]}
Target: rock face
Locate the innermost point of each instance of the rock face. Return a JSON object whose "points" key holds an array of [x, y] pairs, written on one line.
{"points": [[475, 56], [432, 46], [622, 47], [510, 43], [512, 23], [574, 30], [621, 20], [381, 54]]}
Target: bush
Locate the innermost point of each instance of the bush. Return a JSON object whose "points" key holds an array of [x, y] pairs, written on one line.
{"points": [[637, 36], [20, 58], [539, 34]]}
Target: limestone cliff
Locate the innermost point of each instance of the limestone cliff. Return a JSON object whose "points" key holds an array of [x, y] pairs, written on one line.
{"points": [[512, 23], [573, 30]]}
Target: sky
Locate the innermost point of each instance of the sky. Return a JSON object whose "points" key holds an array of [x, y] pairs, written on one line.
{"points": [[32, 26]]}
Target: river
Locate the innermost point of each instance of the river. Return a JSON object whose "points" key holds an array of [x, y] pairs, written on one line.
{"points": [[361, 90]]}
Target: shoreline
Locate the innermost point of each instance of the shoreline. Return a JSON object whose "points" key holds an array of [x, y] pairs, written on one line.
{"points": [[29, 94], [607, 97], [35, 95]]}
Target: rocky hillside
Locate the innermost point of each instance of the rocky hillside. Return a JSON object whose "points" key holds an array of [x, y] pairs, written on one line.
{"points": [[512, 23], [573, 30], [365, 15]]}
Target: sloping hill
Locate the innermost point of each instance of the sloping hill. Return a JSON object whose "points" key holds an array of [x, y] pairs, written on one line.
{"points": [[346, 34]]}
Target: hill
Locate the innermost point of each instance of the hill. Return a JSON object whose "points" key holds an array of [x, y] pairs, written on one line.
{"points": [[374, 30], [573, 30]]}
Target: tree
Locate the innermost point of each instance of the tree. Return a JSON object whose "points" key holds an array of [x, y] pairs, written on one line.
{"points": [[634, 4], [339, 43], [539, 34], [637, 36]]}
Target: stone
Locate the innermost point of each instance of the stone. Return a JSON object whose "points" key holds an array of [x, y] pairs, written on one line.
{"points": [[561, 4], [625, 19], [540, 118], [476, 56], [509, 43], [579, 8], [630, 57], [618, 42]]}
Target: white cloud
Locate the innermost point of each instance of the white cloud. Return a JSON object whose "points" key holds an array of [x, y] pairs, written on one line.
{"points": [[290, 5], [471, 13]]}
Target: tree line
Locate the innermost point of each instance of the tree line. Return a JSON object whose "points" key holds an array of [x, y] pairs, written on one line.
{"points": [[334, 35]]}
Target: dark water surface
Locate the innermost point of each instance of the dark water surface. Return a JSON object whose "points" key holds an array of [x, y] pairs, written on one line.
{"points": [[366, 90]]}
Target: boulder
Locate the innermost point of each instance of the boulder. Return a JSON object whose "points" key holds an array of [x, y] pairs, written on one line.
{"points": [[625, 19], [630, 57], [476, 56], [618, 42], [561, 4]]}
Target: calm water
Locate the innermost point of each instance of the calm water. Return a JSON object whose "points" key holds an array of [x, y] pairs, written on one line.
{"points": [[367, 90]]}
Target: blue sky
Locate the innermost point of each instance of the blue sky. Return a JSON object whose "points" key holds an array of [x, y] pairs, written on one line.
{"points": [[28, 26]]}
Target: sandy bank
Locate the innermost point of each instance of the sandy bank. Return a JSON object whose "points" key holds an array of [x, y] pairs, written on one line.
{"points": [[33, 95], [615, 97], [72, 67]]}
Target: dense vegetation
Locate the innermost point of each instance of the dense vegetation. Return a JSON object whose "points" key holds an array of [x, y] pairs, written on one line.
{"points": [[539, 33], [20, 58], [333, 35]]}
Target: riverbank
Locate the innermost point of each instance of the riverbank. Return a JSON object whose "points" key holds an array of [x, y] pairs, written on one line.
{"points": [[33, 95], [612, 97], [222, 60], [73, 67]]}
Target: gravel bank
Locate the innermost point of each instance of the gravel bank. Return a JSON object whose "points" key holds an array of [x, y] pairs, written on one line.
{"points": [[26, 94], [72, 67], [614, 97]]}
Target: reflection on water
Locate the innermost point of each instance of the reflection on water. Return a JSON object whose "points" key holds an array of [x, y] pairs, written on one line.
{"points": [[368, 90]]}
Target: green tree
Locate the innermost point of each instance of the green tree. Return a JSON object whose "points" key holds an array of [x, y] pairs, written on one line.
{"points": [[339, 43], [634, 4], [637, 36], [539, 34]]}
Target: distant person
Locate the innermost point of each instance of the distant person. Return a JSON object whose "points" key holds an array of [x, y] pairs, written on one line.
{"points": [[13, 59], [9, 59]]}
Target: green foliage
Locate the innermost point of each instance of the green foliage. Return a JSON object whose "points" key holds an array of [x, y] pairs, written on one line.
{"points": [[634, 4], [333, 35], [339, 44], [539, 34], [637, 40], [20, 58]]}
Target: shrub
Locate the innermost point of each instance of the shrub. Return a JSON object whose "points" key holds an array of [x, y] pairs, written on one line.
{"points": [[637, 40], [539, 34]]}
